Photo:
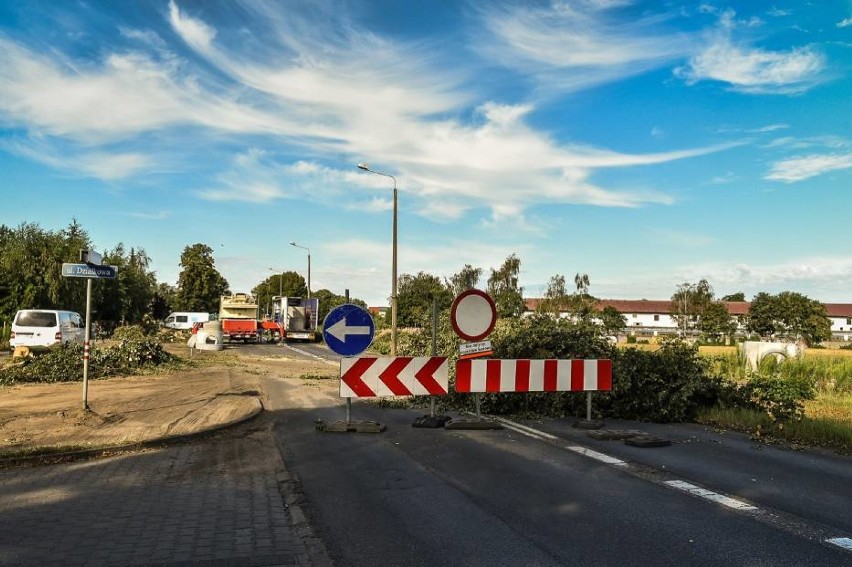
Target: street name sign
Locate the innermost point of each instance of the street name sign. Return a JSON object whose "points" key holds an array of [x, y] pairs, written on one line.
{"points": [[473, 350], [348, 329], [87, 271]]}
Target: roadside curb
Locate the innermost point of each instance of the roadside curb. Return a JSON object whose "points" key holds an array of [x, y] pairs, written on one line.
{"points": [[54, 458]]}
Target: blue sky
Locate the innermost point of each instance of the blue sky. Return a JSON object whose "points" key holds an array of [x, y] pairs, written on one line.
{"points": [[643, 143]]}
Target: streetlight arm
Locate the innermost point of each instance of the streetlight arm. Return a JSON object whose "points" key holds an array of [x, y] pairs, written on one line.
{"points": [[364, 167]]}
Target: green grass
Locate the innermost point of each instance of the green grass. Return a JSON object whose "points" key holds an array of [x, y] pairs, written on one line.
{"points": [[828, 417], [810, 431]]}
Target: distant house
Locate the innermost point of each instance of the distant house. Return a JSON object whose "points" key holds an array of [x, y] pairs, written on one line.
{"points": [[653, 317], [378, 311]]}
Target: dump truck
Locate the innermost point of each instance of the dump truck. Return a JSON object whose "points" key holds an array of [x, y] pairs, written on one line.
{"points": [[298, 317], [238, 315]]}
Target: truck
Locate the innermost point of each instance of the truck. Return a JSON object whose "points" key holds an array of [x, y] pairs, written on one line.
{"points": [[297, 317], [238, 315]]}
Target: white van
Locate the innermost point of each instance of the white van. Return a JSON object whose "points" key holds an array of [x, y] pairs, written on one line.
{"points": [[185, 319], [39, 329]]}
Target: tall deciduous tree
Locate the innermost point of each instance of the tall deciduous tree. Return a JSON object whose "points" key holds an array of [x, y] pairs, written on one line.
{"points": [[31, 268], [127, 298], [689, 302], [789, 315], [555, 296], [288, 284], [716, 322], [467, 278], [200, 285], [415, 295], [612, 321], [504, 289]]}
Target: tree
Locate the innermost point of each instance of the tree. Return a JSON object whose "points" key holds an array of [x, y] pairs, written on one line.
{"points": [[581, 304], [329, 300], [464, 280], [503, 288], [415, 296], [128, 298], [200, 286], [288, 284], [31, 268], [739, 296], [716, 322], [163, 301], [612, 321], [555, 297], [789, 315], [689, 302]]}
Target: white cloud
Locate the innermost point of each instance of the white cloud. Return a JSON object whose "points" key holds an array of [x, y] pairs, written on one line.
{"points": [[339, 90], [570, 46], [752, 70], [844, 23], [98, 164], [800, 168], [821, 276], [778, 12], [195, 32]]}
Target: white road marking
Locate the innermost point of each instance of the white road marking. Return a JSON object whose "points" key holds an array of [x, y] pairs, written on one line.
{"points": [[523, 429], [306, 353], [542, 436], [710, 495], [597, 456], [844, 542]]}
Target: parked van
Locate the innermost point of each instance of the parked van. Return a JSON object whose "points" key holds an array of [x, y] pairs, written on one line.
{"points": [[185, 320], [39, 329]]}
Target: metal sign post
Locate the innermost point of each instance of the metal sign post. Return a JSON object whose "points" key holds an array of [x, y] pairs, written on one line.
{"points": [[86, 344], [90, 269]]}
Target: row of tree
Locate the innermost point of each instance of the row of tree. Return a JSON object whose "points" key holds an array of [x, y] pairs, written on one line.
{"points": [[787, 315], [30, 278]]}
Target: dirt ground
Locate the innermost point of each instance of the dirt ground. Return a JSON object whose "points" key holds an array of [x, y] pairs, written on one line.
{"points": [[127, 410]]}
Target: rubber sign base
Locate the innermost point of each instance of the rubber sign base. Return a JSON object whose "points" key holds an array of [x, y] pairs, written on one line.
{"points": [[479, 424], [431, 421], [354, 427]]}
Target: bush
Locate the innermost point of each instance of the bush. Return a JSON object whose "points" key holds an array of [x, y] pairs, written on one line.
{"points": [[66, 364], [670, 384], [126, 332], [777, 396]]}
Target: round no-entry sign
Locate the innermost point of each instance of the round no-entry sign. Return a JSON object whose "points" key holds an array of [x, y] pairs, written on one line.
{"points": [[473, 315]]}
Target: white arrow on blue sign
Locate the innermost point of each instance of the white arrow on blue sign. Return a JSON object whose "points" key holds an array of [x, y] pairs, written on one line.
{"points": [[348, 329]]}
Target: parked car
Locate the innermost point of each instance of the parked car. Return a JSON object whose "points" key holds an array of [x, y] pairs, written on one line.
{"points": [[40, 329]]}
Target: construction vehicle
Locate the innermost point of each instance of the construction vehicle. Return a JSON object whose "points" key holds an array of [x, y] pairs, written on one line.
{"points": [[297, 317], [238, 315]]}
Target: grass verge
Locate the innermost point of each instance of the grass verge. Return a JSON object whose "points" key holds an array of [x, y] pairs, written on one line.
{"points": [[821, 429]]}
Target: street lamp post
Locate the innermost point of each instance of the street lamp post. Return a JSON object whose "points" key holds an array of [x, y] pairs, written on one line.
{"points": [[309, 265], [365, 167], [280, 279]]}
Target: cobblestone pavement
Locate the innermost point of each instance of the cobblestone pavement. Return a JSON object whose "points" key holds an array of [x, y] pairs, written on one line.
{"points": [[217, 501]]}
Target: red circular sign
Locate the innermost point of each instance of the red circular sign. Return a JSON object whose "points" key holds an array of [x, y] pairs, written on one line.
{"points": [[473, 315]]}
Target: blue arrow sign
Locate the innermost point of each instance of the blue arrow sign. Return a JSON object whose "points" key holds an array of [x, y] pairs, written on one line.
{"points": [[348, 329], [89, 271]]}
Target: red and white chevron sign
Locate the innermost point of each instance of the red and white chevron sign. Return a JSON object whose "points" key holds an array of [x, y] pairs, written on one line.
{"points": [[525, 375], [369, 377]]}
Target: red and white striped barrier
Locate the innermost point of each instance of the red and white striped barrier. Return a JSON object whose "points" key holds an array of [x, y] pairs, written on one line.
{"points": [[525, 375], [369, 377]]}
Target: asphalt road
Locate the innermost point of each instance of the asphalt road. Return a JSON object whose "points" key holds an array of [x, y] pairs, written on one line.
{"points": [[412, 496]]}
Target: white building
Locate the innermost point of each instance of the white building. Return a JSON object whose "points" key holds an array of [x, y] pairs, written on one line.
{"points": [[651, 317]]}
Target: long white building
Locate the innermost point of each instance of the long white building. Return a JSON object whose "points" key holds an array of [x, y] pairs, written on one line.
{"points": [[650, 317]]}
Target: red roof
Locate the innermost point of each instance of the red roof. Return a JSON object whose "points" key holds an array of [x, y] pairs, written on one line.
{"points": [[654, 306]]}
